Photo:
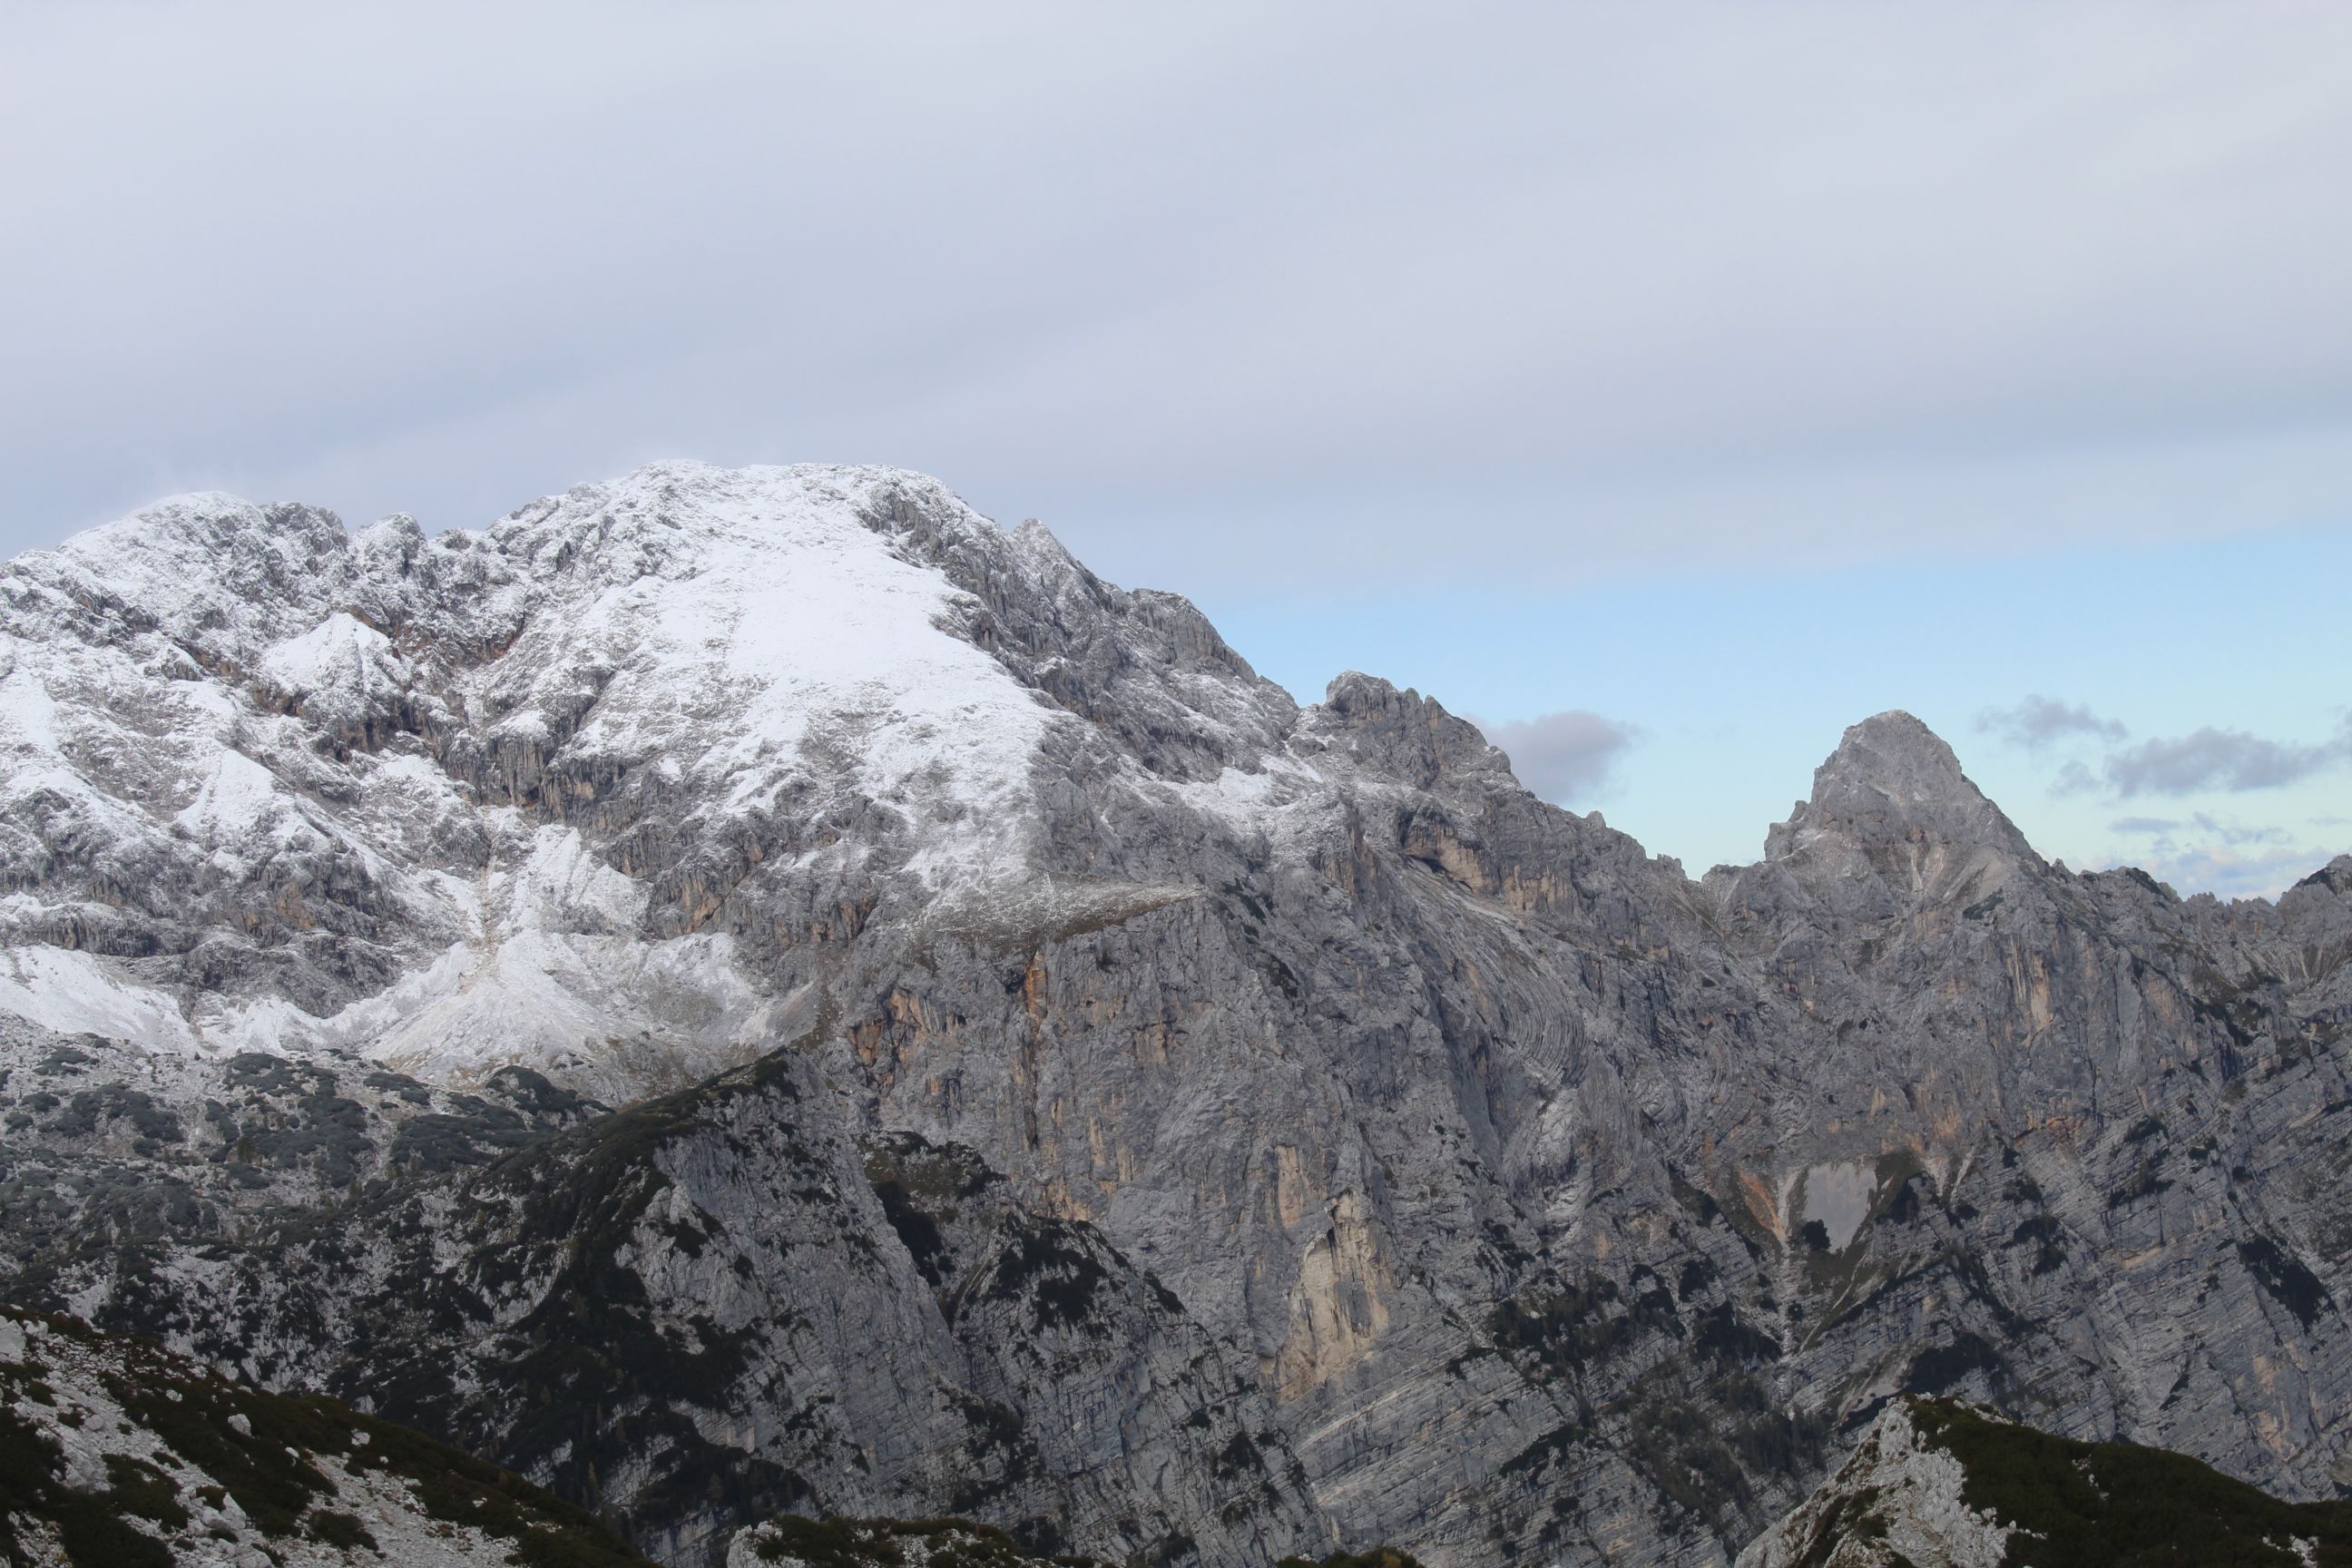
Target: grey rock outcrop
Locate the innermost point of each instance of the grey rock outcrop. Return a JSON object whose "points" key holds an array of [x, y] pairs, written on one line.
{"points": [[1900, 1498], [1063, 1080]]}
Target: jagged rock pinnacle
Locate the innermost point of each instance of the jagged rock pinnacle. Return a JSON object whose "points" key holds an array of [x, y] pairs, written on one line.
{"points": [[1893, 780]]}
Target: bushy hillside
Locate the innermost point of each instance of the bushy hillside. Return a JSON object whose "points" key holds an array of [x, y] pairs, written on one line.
{"points": [[1938, 1483], [117, 1454]]}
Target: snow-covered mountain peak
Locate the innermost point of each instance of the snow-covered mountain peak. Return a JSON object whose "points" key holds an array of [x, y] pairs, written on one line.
{"points": [[217, 574], [279, 784], [689, 501], [745, 638]]}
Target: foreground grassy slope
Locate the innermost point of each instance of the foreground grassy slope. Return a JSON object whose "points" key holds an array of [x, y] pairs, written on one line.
{"points": [[2118, 1505], [1938, 1483], [115, 1452]]}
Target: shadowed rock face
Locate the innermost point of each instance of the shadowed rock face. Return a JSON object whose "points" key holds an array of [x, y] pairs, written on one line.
{"points": [[1067, 1083]]}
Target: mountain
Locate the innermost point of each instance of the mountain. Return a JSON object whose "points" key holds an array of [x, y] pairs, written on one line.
{"points": [[1941, 1484], [739, 992], [115, 1454]]}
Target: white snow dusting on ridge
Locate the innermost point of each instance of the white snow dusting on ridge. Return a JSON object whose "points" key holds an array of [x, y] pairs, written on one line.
{"points": [[554, 978], [745, 636], [772, 635], [72, 993]]}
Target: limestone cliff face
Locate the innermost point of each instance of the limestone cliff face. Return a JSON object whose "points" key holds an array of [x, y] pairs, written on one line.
{"points": [[1064, 1081]]}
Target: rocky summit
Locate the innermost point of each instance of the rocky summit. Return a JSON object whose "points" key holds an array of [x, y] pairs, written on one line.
{"points": [[731, 993]]}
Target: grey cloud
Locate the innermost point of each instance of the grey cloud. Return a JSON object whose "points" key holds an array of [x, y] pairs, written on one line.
{"points": [[2204, 840], [1227, 293], [2215, 759], [2039, 721], [2202, 853], [2075, 778], [1561, 756], [2236, 833]]}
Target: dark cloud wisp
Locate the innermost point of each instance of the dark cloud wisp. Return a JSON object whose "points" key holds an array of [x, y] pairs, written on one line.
{"points": [[1561, 756], [2039, 721], [2228, 872], [2216, 758], [2202, 824]]}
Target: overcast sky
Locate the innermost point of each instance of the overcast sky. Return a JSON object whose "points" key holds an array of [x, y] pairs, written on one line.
{"points": [[1667, 385]]}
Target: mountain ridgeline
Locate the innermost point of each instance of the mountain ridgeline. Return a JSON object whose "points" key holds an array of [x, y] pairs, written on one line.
{"points": [[739, 992]]}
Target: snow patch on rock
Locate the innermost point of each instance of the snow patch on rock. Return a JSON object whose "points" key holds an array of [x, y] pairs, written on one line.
{"points": [[750, 632], [74, 994], [554, 978], [1838, 1193]]}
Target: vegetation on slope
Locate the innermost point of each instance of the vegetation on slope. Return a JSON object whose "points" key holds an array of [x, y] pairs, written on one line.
{"points": [[2117, 1505], [188, 1454], [887, 1544]]}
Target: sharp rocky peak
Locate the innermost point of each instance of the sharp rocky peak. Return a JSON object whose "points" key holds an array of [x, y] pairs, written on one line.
{"points": [[2335, 875], [1894, 755], [1403, 733], [1892, 779]]}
